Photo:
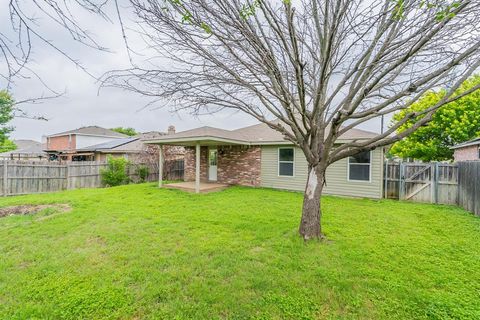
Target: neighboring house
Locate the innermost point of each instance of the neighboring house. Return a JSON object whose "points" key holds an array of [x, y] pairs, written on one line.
{"points": [[467, 151], [260, 156], [65, 145], [26, 150], [132, 148]]}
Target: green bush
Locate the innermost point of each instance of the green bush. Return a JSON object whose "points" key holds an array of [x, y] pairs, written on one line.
{"points": [[142, 171], [116, 172]]}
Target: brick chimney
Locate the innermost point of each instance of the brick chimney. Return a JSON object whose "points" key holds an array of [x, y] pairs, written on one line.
{"points": [[171, 130]]}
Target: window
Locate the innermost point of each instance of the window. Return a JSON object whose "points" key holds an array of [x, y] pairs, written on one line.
{"points": [[286, 161], [359, 166]]}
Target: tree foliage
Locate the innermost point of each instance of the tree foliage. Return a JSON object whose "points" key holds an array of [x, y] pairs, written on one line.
{"points": [[6, 115], [116, 172], [456, 122], [127, 131]]}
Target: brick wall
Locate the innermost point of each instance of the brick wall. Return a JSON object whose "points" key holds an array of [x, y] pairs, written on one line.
{"points": [[239, 165], [236, 165], [189, 171], [61, 143], [466, 153]]}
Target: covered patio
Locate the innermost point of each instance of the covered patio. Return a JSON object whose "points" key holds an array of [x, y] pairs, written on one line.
{"points": [[204, 144]]}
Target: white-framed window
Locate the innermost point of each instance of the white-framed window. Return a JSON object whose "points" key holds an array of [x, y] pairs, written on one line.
{"points": [[286, 162], [360, 167]]}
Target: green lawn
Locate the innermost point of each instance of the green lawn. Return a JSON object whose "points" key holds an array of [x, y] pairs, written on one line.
{"points": [[138, 252]]}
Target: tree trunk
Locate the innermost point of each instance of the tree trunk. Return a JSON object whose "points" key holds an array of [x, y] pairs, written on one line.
{"points": [[310, 225]]}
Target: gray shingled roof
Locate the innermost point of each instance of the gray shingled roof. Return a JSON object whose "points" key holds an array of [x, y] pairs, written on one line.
{"points": [[256, 134], [26, 147], [91, 130], [109, 145], [473, 142]]}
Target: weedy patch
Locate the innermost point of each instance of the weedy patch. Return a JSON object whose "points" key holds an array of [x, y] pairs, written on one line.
{"points": [[28, 209]]}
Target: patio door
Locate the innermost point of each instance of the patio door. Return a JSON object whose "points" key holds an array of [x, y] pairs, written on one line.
{"points": [[212, 164]]}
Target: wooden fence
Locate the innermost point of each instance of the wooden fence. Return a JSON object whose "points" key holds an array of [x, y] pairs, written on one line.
{"points": [[469, 186], [26, 177], [422, 182]]}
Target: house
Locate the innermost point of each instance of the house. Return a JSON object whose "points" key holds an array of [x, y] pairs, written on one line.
{"points": [[259, 156], [467, 151], [131, 148], [65, 145], [26, 150]]}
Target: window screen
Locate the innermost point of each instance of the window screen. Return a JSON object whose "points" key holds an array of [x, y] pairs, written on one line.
{"points": [[286, 161], [359, 166]]}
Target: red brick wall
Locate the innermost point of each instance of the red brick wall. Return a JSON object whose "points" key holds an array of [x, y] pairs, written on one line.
{"points": [[61, 143], [239, 165], [466, 153], [189, 173], [236, 165]]}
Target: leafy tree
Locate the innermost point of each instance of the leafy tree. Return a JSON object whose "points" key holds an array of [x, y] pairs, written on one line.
{"points": [[8, 145], [456, 122], [116, 172], [6, 115], [127, 131]]}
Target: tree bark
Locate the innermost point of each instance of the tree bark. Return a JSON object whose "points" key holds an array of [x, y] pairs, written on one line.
{"points": [[310, 225]]}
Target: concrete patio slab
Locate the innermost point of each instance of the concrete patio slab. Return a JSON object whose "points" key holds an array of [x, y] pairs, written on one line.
{"points": [[189, 186]]}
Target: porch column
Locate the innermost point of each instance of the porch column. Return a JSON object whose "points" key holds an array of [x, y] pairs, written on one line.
{"points": [[160, 166], [197, 168]]}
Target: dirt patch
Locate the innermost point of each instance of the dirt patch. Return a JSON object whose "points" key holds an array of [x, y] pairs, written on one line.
{"points": [[32, 209]]}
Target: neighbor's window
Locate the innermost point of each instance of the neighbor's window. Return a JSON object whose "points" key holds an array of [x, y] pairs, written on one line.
{"points": [[286, 158], [359, 166]]}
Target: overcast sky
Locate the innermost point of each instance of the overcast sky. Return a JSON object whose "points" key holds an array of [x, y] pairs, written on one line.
{"points": [[82, 104]]}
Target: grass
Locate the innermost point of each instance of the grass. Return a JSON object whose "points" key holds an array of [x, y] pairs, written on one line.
{"points": [[138, 252]]}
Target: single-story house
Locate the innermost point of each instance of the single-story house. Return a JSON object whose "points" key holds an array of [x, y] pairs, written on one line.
{"points": [[26, 150], [259, 156], [467, 151]]}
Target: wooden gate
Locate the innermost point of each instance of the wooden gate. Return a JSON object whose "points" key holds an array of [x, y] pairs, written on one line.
{"points": [[417, 182], [422, 182]]}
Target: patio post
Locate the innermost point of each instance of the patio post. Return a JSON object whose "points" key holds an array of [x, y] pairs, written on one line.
{"points": [[197, 167], [160, 166]]}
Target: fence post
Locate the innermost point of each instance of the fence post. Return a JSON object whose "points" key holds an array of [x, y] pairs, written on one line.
{"points": [[67, 175], [432, 182], [437, 182], [5, 177], [385, 176], [401, 181]]}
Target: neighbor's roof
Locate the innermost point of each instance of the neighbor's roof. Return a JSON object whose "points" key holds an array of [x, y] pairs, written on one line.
{"points": [[92, 131], [258, 134], [473, 142], [110, 145], [26, 147]]}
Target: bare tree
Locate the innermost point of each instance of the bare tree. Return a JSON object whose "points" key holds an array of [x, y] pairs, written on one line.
{"points": [[29, 20], [319, 67]]}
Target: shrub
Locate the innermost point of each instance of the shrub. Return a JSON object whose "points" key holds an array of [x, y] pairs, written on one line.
{"points": [[116, 172], [142, 171]]}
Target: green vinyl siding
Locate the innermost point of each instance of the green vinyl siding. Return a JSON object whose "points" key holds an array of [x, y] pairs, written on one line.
{"points": [[337, 175]]}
